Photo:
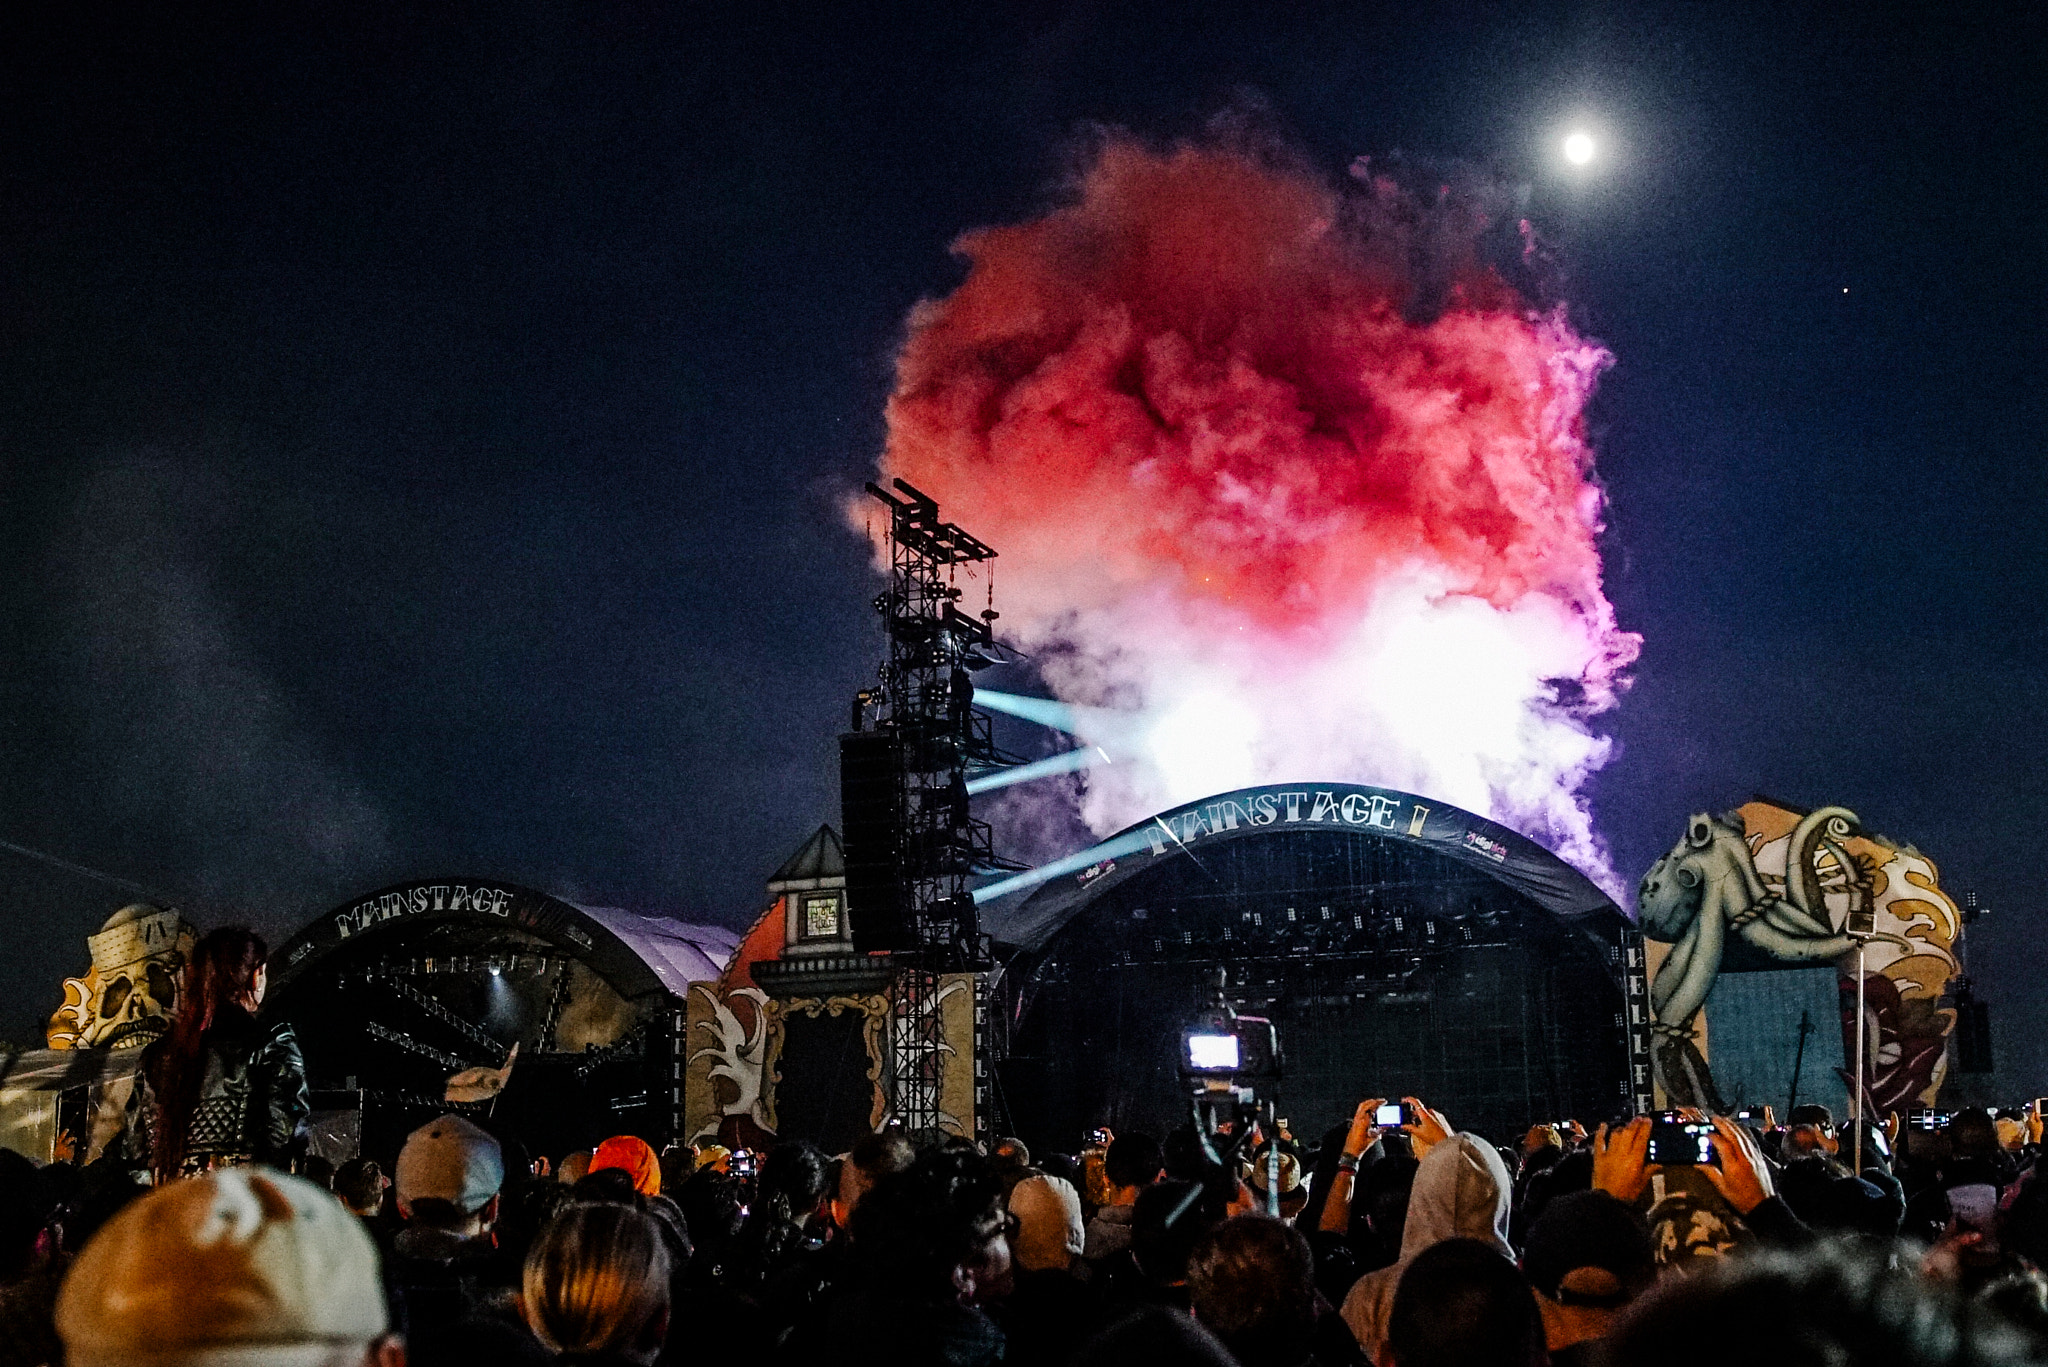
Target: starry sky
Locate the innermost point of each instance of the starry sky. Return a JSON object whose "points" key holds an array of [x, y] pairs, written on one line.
{"points": [[423, 428]]}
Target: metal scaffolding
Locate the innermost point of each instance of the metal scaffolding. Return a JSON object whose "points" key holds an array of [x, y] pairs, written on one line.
{"points": [[915, 846]]}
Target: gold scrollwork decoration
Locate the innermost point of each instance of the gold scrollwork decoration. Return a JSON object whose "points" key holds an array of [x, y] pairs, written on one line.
{"points": [[874, 1012]]}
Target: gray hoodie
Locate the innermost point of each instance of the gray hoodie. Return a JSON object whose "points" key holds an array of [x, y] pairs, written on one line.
{"points": [[1461, 1192]]}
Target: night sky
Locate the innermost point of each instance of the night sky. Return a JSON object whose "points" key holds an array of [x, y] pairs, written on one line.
{"points": [[423, 429]]}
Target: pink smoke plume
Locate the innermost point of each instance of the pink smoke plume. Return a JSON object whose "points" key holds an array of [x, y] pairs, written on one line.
{"points": [[1288, 472]]}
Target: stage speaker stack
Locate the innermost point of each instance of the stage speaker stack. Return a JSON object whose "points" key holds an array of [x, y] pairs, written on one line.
{"points": [[871, 821]]}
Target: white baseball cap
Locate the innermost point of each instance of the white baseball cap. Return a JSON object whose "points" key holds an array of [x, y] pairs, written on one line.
{"points": [[450, 1160], [1049, 1229], [233, 1268]]}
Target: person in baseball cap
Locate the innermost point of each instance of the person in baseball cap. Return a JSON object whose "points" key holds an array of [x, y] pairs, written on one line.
{"points": [[448, 1172], [1587, 1256], [1810, 1131], [1049, 1312], [232, 1268], [1049, 1232], [445, 1261]]}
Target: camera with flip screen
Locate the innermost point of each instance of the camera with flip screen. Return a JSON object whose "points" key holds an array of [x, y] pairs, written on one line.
{"points": [[1226, 1060], [1222, 1046]]}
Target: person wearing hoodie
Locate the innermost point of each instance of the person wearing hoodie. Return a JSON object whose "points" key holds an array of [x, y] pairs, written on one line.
{"points": [[1461, 1191]]}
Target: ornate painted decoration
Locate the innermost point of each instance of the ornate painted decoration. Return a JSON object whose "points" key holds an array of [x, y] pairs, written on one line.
{"points": [[1788, 883], [874, 1012], [128, 996]]}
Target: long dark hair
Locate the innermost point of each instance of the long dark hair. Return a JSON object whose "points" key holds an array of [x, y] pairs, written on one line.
{"points": [[794, 1181], [220, 978]]}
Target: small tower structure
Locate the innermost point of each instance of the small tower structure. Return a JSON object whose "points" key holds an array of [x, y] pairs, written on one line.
{"points": [[817, 957]]}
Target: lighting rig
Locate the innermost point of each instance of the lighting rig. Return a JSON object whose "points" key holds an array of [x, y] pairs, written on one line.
{"points": [[454, 1063], [494, 1052], [912, 843], [502, 964], [627, 1045], [397, 979]]}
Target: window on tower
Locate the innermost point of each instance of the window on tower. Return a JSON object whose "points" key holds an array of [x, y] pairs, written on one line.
{"points": [[821, 918]]}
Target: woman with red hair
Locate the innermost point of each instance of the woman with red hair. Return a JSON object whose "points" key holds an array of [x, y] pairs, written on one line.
{"points": [[219, 1089]]}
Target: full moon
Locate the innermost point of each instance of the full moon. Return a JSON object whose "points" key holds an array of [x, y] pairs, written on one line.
{"points": [[1578, 148]]}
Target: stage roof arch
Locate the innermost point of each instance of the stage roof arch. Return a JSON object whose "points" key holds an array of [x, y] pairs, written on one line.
{"points": [[637, 954], [1506, 856], [1400, 945]]}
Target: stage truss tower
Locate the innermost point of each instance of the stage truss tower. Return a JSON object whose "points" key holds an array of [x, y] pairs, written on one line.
{"points": [[912, 843]]}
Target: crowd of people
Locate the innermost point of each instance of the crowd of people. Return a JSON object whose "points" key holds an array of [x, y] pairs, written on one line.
{"points": [[210, 1238]]}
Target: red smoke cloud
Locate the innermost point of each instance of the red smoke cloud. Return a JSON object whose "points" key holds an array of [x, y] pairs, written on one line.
{"points": [[1227, 465]]}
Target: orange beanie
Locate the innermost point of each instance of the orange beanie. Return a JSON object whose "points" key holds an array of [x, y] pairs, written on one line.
{"points": [[632, 1156]]}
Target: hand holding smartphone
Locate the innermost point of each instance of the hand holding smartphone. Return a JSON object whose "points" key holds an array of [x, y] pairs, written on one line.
{"points": [[1678, 1142]]}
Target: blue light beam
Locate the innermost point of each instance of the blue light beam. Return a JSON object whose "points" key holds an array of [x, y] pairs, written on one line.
{"points": [[1065, 763], [1128, 843], [1093, 723]]}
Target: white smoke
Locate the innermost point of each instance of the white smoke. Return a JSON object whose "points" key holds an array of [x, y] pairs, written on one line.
{"points": [[1430, 691]]}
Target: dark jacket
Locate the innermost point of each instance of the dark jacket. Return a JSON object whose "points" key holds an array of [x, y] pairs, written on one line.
{"points": [[457, 1298], [862, 1330], [28, 1316], [1775, 1225], [252, 1097], [1046, 1318]]}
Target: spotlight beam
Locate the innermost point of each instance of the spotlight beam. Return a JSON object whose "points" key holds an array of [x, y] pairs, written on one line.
{"points": [[1075, 720], [1065, 763], [1128, 843]]}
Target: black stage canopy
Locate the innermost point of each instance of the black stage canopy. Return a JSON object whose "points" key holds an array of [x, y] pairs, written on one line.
{"points": [[1402, 945], [395, 992], [1506, 856]]}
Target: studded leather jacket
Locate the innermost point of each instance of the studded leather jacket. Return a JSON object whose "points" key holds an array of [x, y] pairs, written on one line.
{"points": [[252, 1098]]}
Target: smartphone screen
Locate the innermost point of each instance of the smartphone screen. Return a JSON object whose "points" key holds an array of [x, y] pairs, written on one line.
{"points": [[1388, 1116], [1680, 1143]]}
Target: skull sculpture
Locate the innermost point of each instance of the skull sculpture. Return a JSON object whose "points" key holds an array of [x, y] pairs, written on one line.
{"points": [[129, 995]]}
